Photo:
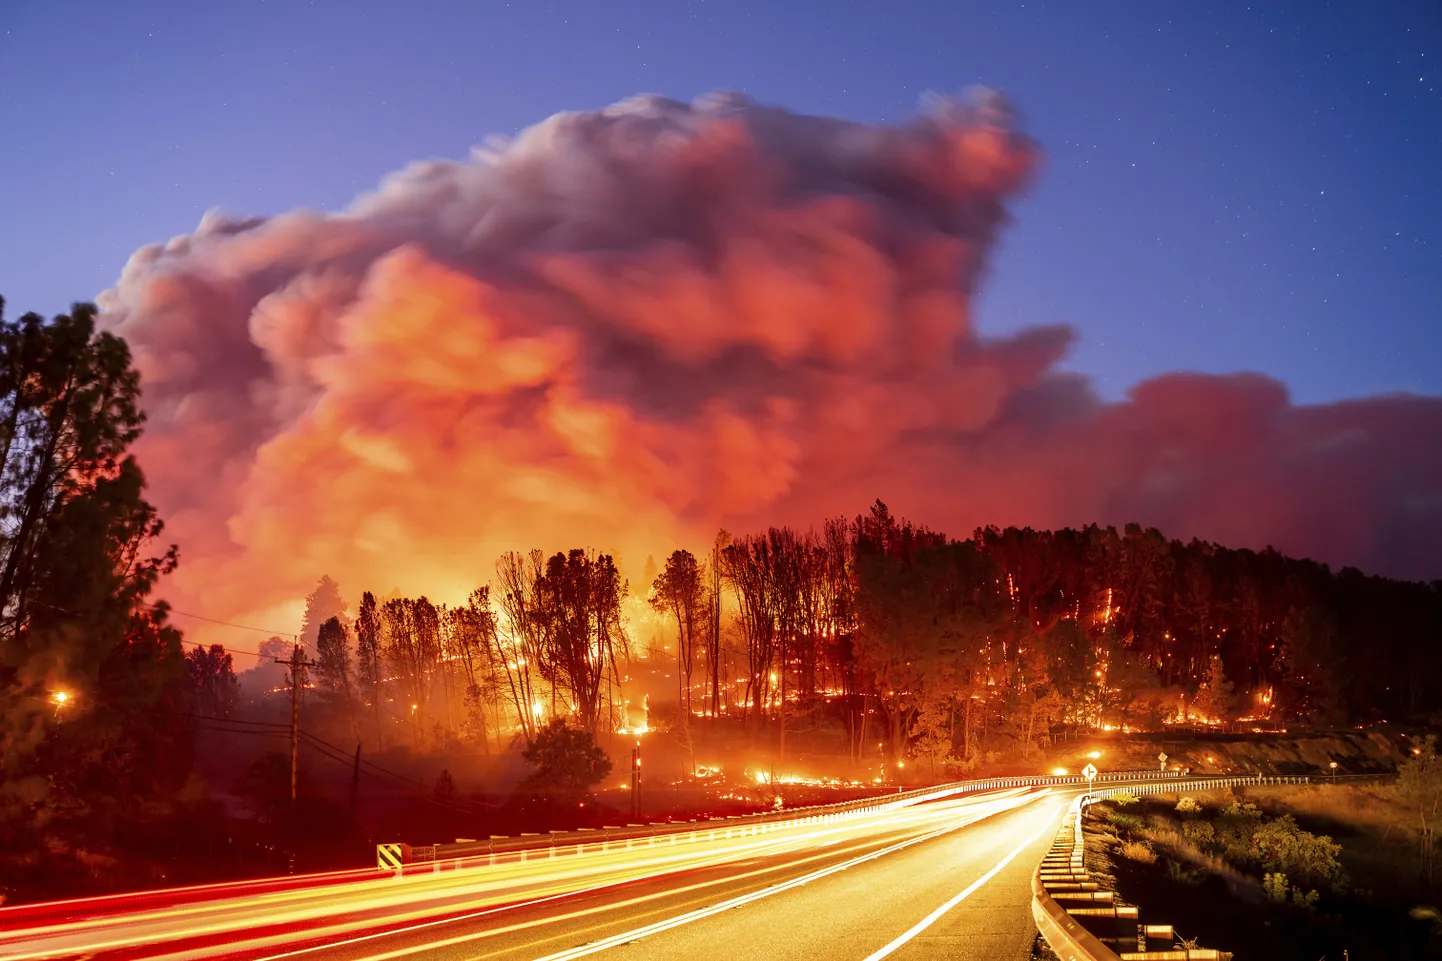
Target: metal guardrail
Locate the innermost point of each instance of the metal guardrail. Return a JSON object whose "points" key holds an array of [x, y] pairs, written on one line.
{"points": [[1062, 876], [502, 849]]}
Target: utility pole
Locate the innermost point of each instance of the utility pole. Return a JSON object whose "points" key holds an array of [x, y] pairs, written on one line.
{"points": [[297, 665], [636, 781], [355, 782]]}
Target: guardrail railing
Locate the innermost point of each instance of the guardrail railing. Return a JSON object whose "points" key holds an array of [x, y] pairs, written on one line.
{"points": [[1062, 891], [400, 858]]}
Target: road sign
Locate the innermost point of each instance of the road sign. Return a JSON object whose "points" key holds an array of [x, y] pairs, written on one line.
{"points": [[1163, 758], [1090, 772], [390, 857]]}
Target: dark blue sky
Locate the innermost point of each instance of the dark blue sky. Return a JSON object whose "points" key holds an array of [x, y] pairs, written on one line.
{"points": [[1227, 187]]}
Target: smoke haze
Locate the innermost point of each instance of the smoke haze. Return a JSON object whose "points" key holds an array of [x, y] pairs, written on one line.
{"points": [[626, 328]]}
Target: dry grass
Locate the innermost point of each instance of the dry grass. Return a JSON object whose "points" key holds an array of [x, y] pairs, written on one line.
{"points": [[1138, 851]]}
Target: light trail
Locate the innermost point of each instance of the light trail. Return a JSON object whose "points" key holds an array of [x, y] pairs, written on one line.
{"points": [[627, 937], [602, 909], [965, 893], [265, 917]]}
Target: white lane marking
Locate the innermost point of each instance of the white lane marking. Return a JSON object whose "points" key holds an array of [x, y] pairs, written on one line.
{"points": [[726, 856], [966, 892], [656, 928]]}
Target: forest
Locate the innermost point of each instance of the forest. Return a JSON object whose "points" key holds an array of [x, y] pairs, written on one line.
{"points": [[881, 630], [862, 631]]}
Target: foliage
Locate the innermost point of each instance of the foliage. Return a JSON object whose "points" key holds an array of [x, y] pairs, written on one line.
{"points": [[211, 687], [1123, 799], [76, 570], [1280, 845], [1200, 833], [1419, 786], [678, 592], [931, 739], [1188, 806], [1214, 696], [566, 763], [1276, 889], [333, 659], [1179, 873], [1139, 851], [1124, 822]]}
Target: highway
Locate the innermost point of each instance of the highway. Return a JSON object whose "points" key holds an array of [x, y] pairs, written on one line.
{"points": [[948, 878]]}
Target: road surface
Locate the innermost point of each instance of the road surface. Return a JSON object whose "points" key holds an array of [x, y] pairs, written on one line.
{"points": [[946, 879]]}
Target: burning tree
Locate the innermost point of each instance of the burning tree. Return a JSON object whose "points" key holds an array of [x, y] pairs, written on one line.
{"points": [[579, 607], [679, 591]]}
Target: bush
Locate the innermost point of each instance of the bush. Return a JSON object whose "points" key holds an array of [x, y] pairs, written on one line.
{"points": [[1139, 851], [1200, 833], [1181, 874], [1282, 846], [1188, 805], [1278, 891], [1124, 822], [1123, 799], [566, 763]]}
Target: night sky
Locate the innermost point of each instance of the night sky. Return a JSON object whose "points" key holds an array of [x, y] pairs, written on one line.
{"points": [[1227, 187]]}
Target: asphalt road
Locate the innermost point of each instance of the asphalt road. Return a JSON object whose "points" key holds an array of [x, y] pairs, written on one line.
{"points": [[948, 879]]}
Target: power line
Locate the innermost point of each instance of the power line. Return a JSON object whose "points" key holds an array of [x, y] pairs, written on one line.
{"points": [[162, 605], [319, 745]]}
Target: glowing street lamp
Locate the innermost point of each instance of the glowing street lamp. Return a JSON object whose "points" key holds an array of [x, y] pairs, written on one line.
{"points": [[1333, 766], [59, 699]]}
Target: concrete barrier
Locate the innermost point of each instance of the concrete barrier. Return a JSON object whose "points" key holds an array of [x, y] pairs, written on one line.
{"points": [[503, 849], [1059, 897]]}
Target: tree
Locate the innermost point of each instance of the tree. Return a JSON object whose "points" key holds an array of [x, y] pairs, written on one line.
{"points": [[321, 605], [522, 650], [930, 734], [1419, 786], [1214, 697], [76, 569], [368, 657], [566, 763], [678, 591], [445, 790], [211, 687], [578, 608]]}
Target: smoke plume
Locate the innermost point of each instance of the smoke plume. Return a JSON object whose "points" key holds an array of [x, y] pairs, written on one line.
{"points": [[626, 328]]}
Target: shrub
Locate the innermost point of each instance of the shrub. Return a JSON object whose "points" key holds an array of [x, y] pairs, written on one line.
{"points": [[1234, 829], [1200, 833], [1138, 851], [1123, 799], [1124, 822], [1280, 845], [1278, 891], [566, 763], [1188, 805], [1181, 874]]}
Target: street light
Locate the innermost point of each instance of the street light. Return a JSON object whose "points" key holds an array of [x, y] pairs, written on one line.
{"points": [[59, 699], [1333, 766]]}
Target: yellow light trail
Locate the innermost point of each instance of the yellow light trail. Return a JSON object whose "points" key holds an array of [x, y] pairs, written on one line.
{"points": [[273, 920]]}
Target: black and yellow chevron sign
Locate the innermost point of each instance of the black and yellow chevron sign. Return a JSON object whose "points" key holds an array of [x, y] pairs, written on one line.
{"points": [[390, 857]]}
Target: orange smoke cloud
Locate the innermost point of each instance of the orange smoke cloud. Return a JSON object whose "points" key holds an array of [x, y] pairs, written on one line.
{"points": [[629, 327]]}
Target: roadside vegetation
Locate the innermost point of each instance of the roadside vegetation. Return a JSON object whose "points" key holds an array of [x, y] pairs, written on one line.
{"points": [[1293, 872]]}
